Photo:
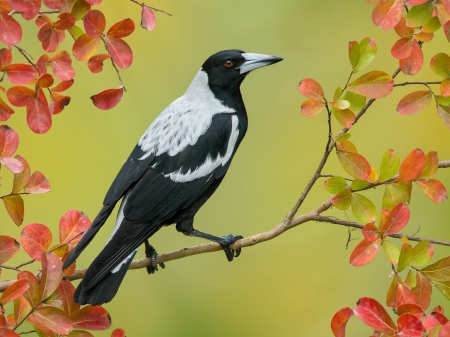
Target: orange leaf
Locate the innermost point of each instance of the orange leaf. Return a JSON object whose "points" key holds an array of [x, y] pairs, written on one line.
{"points": [[433, 189], [121, 29], [72, 223], [374, 84], [387, 14], [414, 102], [95, 63], [310, 89], [412, 64], [402, 48], [339, 321], [365, 252], [35, 239], [411, 167], [14, 291], [8, 248], [37, 184], [107, 99], [94, 23], [354, 164], [85, 46]]}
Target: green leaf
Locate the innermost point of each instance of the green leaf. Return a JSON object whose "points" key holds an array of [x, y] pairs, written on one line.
{"points": [[367, 52], [334, 184], [354, 164], [389, 165], [444, 288], [440, 64], [422, 254], [357, 102], [432, 25], [396, 193], [345, 145], [431, 165], [391, 251], [342, 199], [353, 53], [419, 15], [359, 184], [405, 257], [410, 279], [345, 117], [374, 84], [363, 209], [444, 114]]}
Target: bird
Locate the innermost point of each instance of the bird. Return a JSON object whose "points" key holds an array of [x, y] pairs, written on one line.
{"points": [[176, 166]]}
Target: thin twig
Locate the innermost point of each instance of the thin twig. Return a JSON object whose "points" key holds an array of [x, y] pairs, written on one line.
{"points": [[50, 11], [332, 176], [155, 9], [28, 57], [411, 83]]}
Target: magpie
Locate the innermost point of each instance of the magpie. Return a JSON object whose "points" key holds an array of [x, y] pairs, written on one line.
{"points": [[178, 163]]}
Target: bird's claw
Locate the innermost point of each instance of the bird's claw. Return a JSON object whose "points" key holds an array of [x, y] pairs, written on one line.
{"points": [[226, 242], [152, 254]]}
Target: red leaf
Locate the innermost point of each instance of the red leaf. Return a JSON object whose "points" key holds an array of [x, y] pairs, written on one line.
{"points": [[66, 21], [14, 291], [42, 20], [310, 89], [120, 52], [405, 296], [62, 86], [66, 291], [412, 64], [57, 103], [85, 46], [311, 107], [35, 239], [94, 23], [338, 322], [4, 332], [72, 223], [11, 164], [396, 220], [433, 189], [9, 141], [32, 295], [33, 10], [445, 87], [411, 308], [409, 325], [402, 48], [121, 332], [39, 118], [95, 63], [365, 252], [411, 166], [370, 232], [433, 319], [107, 99], [53, 4], [148, 19], [444, 331], [415, 2], [52, 274], [20, 73], [37, 184], [94, 2], [5, 110], [374, 315], [422, 291], [414, 102], [50, 319], [15, 207], [10, 30], [63, 55], [446, 28], [387, 14], [431, 165], [8, 248], [374, 84], [63, 70], [44, 81], [5, 57], [20, 96], [121, 29], [41, 63], [92, 318], [354, 164]]}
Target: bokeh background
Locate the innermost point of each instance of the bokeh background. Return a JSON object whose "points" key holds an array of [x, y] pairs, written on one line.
{"points": [[289, 286]]}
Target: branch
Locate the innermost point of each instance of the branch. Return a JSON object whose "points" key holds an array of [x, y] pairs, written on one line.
{"points": [[28, 57], [155, 9], [410, 83]]}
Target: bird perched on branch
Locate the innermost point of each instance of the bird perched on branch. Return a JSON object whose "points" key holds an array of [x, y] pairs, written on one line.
{"points": [[176, 166]]}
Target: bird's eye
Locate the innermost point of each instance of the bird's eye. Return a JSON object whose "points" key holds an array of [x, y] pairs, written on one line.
{"points": [[228, 63]]}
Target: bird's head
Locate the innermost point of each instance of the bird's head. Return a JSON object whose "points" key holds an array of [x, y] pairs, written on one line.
{"points": [[229, 67]]}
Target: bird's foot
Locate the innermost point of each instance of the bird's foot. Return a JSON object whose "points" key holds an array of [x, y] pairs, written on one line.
{"points": [[226, 242], [152, 254]]}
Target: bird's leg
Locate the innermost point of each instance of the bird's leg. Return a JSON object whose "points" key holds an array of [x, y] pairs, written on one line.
{"points": [[152, 254], [186, 227]]}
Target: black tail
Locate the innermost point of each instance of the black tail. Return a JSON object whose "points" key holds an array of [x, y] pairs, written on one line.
{"points": [[89, 235], [105, 289]]}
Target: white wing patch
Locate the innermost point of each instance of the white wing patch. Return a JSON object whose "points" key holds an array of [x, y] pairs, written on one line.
{"points": [[183, 121], [210, 165]]}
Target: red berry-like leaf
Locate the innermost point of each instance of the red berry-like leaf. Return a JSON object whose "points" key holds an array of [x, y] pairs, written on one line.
{"points": [[72, 223], [310, 89], [44, 81], [15, 207], [374, 315], [20, 73], [409, 325], [94, 23], [120, 51], [414, 102], [338, 322], [354, 164], [107, 99], [5, 110], [35, 239], [92, 318], [20, 96], [402, 48], [85, 46], [148, 19], [387, 14], [95, 63], [57, 103], [37, 184], [433, 189], [10, 30], [412, 165], [8, 248], [374, 84], [39, 118], [365, 252], [62, 86], [396, 220], [412, 64], [121, 29], [9, 141], [14, 291], [51, 320]]}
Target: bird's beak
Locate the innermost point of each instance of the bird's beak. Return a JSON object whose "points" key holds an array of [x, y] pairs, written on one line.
{"points": [[255, 61]]}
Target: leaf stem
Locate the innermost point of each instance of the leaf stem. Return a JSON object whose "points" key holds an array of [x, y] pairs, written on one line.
{"points": [[113, 63], [155, 9]]}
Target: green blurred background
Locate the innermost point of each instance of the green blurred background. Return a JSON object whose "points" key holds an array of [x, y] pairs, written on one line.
{"points": [[289, 286]]}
